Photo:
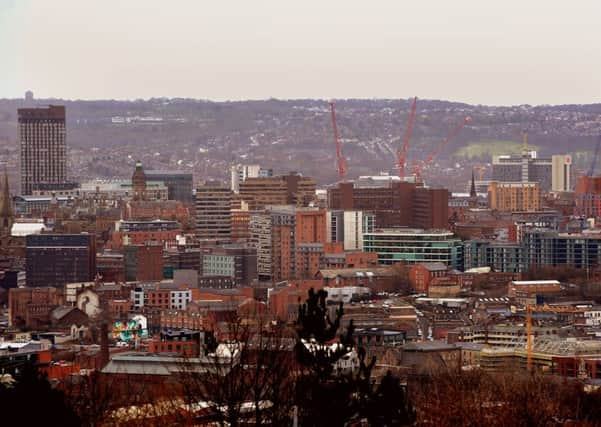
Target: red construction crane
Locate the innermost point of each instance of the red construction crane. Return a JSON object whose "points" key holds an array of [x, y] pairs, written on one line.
{"points": [[402, 152], [341, 161], [454, 132]]}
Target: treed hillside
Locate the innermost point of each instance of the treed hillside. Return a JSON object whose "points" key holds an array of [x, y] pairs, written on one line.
{"points": [[106, 137]]}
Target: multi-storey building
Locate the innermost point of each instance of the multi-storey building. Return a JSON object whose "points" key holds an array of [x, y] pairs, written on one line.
{"points": [[179, 184], [110, 267], [260, 226], [537, 248], [400, 204], [348, 227], [143, 262], [549, 248], [142, 232], [57, 259], [561, 168], [414, 246], [102, 190], [161, 296], [278, 235], [503, 257], [28, 306], [214, 212], [588, 196], [551, 174], [514, 196], [238, 262], [42, 137], [290, 189], [240, 173], [184, 258], [240, 225]]}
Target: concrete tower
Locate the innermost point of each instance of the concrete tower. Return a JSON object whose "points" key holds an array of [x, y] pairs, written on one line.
{"points": [[42, 138]]}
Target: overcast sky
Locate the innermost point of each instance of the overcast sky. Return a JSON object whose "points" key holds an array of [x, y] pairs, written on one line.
{"points": [[477, 51]]}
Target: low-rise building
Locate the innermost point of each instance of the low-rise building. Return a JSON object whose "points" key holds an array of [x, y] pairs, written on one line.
{"points": [[420, 275]]}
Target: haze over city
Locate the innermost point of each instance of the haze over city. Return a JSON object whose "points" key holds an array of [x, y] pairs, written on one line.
{"points": [[311, 214], [495, 53]]}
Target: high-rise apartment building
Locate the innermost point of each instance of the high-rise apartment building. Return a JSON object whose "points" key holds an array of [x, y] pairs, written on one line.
{"points": [[42, 137], [289, 240], [514, 196], [214, 212]]}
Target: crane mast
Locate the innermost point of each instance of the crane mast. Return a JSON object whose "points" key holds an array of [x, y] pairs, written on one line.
{"points": [[454, 132], [530, 308], [341, 161], [402, 152]]}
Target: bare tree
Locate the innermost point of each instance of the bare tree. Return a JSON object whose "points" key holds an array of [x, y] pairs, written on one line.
{"points": [[249, 375]]}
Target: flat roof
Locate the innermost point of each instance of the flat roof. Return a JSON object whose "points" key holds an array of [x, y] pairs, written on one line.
{"points": [[167, 172], [535, 282]]}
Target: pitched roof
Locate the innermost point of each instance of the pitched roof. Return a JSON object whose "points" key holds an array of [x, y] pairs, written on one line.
{"points": [[61, 311]]}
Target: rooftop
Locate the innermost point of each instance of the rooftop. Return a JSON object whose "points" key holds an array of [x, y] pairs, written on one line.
{"points": [[534, 282]]}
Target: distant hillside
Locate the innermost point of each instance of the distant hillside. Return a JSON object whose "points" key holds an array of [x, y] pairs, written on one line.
{"points": [[105, 137]]}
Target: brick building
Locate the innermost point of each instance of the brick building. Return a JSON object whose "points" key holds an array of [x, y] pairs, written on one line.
{"points": [[240, 225], [515, 196], [420, 275], [400, 204], [110, 267], [141, 232], [149, 210], [288, 238], [30, 307], [143, 262], [292, 189]]}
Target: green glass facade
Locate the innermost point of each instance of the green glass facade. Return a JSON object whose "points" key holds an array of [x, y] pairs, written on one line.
{"points": [[414, 246]]}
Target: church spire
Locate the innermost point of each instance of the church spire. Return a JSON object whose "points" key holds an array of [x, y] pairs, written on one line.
{"points": [[6, 206], [473, 193]]}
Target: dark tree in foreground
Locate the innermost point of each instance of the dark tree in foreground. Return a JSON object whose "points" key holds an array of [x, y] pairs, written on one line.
{"points": [[335, 387], [32, 401]]}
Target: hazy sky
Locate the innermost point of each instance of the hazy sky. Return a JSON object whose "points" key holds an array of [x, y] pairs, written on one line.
{"points": [[477, 51]]}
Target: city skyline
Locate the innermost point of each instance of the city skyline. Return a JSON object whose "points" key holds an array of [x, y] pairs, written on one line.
{"points": [[495, 54]]}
